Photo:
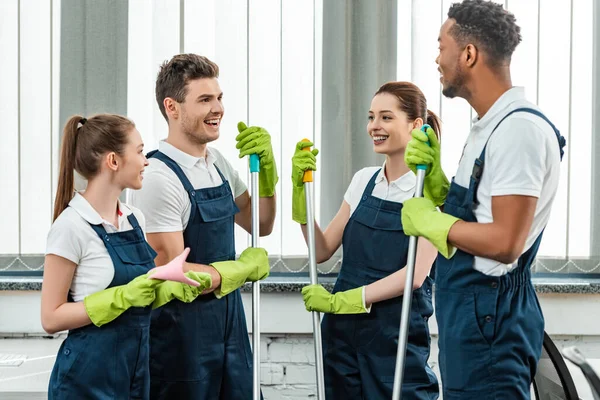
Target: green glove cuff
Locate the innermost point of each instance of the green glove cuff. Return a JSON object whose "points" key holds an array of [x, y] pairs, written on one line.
{"points": [[235, 273], [233, 277], [299, 204], [252, 265], [105, 306], [439, 235], [267, 178], [349, 302], [169, 290], [436, 188]]}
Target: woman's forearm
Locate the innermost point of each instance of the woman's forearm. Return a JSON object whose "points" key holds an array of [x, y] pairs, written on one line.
{"points": [[66, 317]]}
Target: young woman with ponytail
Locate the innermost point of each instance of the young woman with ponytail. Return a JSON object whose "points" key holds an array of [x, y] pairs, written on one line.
{"points": [[96, 282], [360, 328]]}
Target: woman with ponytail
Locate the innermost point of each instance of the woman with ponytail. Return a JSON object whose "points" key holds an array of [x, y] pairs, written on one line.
{"points": [[360, 328], [96, 283]]}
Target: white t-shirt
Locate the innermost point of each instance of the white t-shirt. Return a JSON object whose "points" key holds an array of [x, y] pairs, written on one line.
{"points": [[163, 199], [397, 191], [522, 158], [72, 237]]}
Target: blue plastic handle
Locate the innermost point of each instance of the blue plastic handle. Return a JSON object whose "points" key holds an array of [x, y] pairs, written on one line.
{"points": [[424, 129], [254, 163]]}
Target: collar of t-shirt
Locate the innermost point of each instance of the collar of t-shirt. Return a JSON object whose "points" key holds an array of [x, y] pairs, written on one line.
{"points": [[405, 183], [184, 159], [513, 94], [88, 213], [193, 167]]}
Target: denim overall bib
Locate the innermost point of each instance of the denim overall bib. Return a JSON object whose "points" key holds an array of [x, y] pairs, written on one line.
{"points": [[111, 361], [201, 350], [360, 350], [491, 328]]}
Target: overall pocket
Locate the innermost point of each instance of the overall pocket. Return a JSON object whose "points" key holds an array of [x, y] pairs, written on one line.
{"points": [[465, 351]]}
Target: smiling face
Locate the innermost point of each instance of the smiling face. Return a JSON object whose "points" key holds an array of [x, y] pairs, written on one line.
{"points": [[202, 110], [388, 126], [132, 162], [452, 73]]}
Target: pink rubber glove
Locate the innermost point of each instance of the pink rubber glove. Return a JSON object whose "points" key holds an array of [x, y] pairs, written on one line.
{"points": [[173, 271]]}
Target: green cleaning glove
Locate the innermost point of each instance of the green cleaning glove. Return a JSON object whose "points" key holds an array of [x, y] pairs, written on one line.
{"points": [[302, 161], [421, 218], [256, 140], [167, 291], [317, 298], [253, 265], [105, 306], [418, 152]]}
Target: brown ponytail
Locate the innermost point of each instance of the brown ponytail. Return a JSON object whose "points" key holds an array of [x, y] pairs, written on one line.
{"points": [[413, 103], [66, 185], [84, 143], [435, 122]]}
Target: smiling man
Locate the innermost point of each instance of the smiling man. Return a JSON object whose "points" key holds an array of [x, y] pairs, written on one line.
{"points": [[192, 197], [495, 210]]}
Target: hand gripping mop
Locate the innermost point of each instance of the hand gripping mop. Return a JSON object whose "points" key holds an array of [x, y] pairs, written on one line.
{"points": [[312, 259], [407, 296], [254, 170]]}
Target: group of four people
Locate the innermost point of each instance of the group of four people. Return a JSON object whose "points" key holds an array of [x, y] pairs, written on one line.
{"points": [[134, 337]]}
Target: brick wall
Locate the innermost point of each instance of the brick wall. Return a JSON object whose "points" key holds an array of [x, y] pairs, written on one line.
{"points": [[288, 367], [288, 364]]}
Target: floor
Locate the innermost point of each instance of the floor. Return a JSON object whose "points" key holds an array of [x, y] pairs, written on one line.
{"points": [[25, 366]]}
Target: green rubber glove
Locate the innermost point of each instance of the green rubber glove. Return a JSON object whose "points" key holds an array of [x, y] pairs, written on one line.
{"points": [[421, 218], [417, 152], [256, 140], [105, 306], [253, 265], [302, 161], [167, 291], [317, 298]]}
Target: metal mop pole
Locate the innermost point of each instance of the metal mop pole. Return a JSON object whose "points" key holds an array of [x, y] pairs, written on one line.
{"points": [[407, 296], [312, 258], [254, 170]]}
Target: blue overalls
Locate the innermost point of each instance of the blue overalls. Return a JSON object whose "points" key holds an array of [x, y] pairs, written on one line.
{"points": [[111, 361], [360, 350], [491, 328], [201, 350]]}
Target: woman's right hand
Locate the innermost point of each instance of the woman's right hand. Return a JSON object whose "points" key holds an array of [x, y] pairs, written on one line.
{"points": [[302, 161]]}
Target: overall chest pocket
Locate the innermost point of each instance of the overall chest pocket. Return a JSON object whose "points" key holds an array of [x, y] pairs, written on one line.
{"points": [[216, 209], [135, 253]]}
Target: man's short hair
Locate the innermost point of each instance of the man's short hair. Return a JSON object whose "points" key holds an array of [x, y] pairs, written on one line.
{"points": [[488, 25]]}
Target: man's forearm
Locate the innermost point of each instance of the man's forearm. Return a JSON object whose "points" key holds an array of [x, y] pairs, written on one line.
{"points": [[485, 240], [215, 276]]}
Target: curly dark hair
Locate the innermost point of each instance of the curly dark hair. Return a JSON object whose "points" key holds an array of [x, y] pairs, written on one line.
{"points": [[175, 74], [488, 25]]}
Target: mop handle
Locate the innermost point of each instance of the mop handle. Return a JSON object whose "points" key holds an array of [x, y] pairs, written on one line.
{"points": [[407, 296], [254, 170], [312, 260]]}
